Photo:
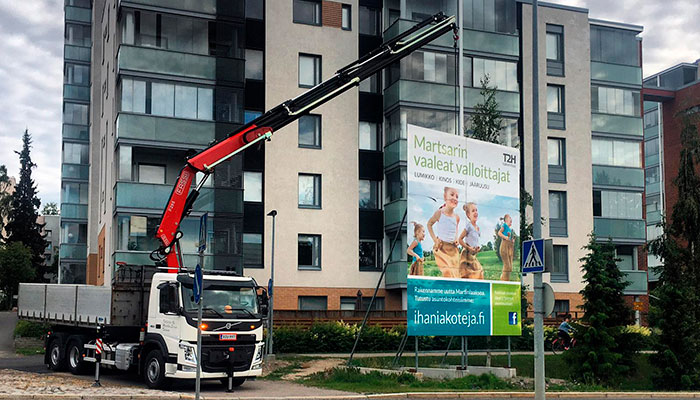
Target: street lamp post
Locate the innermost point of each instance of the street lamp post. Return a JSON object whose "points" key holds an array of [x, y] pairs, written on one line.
{"points": [[271, 285]]}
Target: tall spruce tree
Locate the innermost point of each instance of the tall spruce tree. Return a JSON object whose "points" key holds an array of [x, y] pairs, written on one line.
{"points": [[597, 357], [486, 122], [23, 226], [676, 312]]}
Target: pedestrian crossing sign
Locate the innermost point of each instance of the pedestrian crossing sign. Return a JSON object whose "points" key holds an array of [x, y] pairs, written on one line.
{"points": [[533, 256]]}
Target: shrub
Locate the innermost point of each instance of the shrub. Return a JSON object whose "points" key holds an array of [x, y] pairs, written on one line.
{"points": [[30, 329]]}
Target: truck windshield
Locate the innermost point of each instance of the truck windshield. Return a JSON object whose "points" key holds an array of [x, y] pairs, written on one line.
{"points": [[223, 300]]}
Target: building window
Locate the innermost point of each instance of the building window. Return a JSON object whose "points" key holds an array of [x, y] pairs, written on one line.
{"points": [[252, 250], [313, 303], [76, 114], [370, 21], [307, 12], [560, 265], [652, 176], [651, 148], [78, 35], [555, 107], [75, 74], [617, 204], [346, 22], [395, 187], [556, 160], [369, 255], [250, 115], [149, 173], [370, 84], [253, 64], [73, 233], [169, 32], [617, 153], [309, 70], [614, 46], [651, 118], [555, 50], [615, 101], [309, 191], [369, 194], [361, 303], [165, 99], [502, 74], [75, 193], [310, 131], [557, 214], [653, 203], [254, 9], [309, 252], [370, 136], [229, 104], [561, 308], [492, 16], [626, 258], [75, 153], [252, 186]]}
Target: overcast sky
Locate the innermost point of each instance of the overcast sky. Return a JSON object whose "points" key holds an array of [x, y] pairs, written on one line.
{"points": [[31, 68]]}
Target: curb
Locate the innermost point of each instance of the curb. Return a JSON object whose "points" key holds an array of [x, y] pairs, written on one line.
{"points": [[382, 396]]}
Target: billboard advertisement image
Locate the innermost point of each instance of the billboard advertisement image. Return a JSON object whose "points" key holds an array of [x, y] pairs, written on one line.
{"points": [[462, 235]]}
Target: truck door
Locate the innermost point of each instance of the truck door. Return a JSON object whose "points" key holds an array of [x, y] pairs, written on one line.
{"points": [[167, 323]]}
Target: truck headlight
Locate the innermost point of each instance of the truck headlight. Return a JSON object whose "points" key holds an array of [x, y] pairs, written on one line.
{"points": [[190, 353], [258, 357]]}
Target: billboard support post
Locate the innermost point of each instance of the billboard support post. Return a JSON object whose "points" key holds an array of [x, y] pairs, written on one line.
{"points": [[416, 338]]}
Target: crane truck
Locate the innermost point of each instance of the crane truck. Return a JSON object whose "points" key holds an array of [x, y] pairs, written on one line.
{"points": [[146, 319]]}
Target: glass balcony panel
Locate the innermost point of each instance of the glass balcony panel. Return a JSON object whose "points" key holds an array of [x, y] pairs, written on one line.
{"points": [[402, 25], [161, 129], [153, 196], [637, 282], [653, 217], [651, 132], [507, 101], [74, 211], [393, 212], [620, 229], [225, 8], [490, 42], [396, 274], [211, 262], [650, 160], [75, 171], [79, 14], [76, 53], [616, 124], [180, 64], [395, 152], [616, 73], [75, 132], [73, 251], [618, 176], [437, 94], [75, 92], [653, 187]]}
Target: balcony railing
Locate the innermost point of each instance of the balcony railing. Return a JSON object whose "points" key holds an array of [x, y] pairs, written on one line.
{"points": [[73, 251], [395, 152], [76, 53], [75, 171], [75, 132], [622, 230], [393, 212], [444, 95], [79, 14], [637, 282], [74, 211], [162, 129], [75, 92], [213, 7], [618, 176], [396, 272], [616, 73], [622, 124], [154, 196]]}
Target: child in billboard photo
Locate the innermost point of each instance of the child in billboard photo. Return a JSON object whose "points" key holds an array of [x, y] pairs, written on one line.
{"points": [[444, 234], [506, 249], [469, 265], [415, 249]]}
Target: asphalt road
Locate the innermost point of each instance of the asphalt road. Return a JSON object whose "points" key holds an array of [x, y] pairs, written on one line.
{"points": [[8, 320]]}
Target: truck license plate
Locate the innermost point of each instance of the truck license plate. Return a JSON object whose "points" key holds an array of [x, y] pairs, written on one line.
{"points": [[227, 336]]}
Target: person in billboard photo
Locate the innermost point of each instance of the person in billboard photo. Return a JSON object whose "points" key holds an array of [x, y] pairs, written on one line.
{"points": [[506, 249], [469, 265], [415, 249], [442, 227]]}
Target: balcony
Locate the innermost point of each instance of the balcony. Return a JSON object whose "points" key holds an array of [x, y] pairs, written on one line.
{"points": [[395, 152], [652, 188], [396, 272], [402, 25], [651, 159], [213, 7], [651, 132], [73, 251], [75, 171], [76, 53], [507, 101], [154, 196], [163, 129], [637, 282], [618, 176], [393, 213], [620, 230], [78, 14], [144, 59], [622, 124], [616, 73], [75, 92], [75, 132], [653, 217], [218, 262], [74, 211]]}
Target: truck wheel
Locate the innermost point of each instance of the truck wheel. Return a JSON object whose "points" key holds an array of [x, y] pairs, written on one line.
{"points": [[235, 382], [76, 364], [57, 360], [154, 370]]}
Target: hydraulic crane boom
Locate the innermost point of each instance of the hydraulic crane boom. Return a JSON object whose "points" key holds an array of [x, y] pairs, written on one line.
{"points": [[181, 199]]}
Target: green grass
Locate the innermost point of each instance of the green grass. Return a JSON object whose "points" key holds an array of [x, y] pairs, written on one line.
{"points": [[295, 364], [29, 351], [353, 380], [488, 259]]}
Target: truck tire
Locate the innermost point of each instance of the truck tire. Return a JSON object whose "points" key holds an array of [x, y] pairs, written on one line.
{"points": [[235, 382], [154, 370], [56, 355], [74, 356]]}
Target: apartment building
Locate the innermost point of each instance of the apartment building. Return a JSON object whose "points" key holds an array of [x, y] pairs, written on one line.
{"points": [[167, 80], [673, 90]]}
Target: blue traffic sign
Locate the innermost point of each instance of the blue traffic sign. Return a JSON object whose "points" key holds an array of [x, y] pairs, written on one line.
{"points": [[533, 256], [202, 233], [197, 284]]}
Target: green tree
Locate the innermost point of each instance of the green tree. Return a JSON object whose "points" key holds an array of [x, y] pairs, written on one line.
{"points": [[15, 267], [486, 122], [23, 226], [677, 310], [50, 208], [597, 356], [5, 200]]}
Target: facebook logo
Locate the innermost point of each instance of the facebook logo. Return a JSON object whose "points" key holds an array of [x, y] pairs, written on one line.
{"points": [[513, 318]]}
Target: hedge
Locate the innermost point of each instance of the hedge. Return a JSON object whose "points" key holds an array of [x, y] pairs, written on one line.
{"points": [[30, 329]]}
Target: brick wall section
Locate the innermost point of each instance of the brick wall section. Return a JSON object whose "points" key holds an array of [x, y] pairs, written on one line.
{"points": [[287, 298], [575, 300], [332, 15]]}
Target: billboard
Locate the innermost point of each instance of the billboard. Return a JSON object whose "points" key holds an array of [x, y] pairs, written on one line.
{"points": [[462, 235]]}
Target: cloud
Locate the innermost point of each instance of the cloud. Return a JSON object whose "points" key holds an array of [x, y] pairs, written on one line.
{"points": [[31, 82]]}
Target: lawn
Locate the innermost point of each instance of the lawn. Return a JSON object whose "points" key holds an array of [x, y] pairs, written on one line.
{"points": [[488, 259]]}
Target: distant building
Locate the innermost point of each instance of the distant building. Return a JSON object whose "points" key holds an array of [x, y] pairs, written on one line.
{"points": [[51, 230], [7, 189]]}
